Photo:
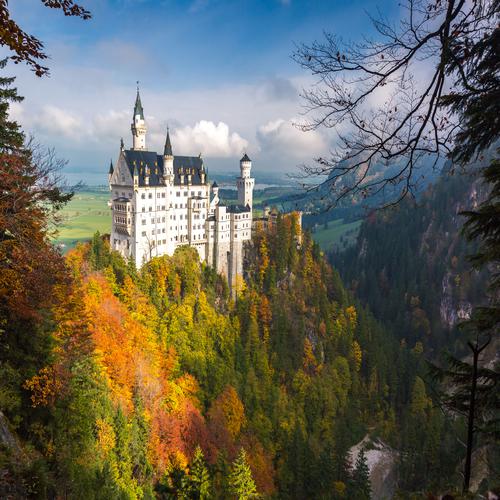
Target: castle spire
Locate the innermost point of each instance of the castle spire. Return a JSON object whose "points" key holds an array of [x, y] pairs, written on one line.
{"points": [[168, 145], [138, 105], [111, 169]]}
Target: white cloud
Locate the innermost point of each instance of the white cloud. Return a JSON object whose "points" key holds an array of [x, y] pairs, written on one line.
{"points": [[283, 137], [209, 139], [55, 121]]}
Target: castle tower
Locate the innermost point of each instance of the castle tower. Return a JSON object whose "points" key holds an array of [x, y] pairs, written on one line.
{"points": [[168, 162], [138, 126], [245, 183]]}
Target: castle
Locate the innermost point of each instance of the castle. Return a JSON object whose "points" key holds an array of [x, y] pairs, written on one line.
{"points": [[162, 201]]}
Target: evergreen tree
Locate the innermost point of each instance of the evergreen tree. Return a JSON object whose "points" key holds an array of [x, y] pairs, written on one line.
{"points": [[241, 481], [196, 485], [361, 478]]}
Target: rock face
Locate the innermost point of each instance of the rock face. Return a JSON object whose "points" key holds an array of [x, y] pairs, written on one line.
{"points": [[382, 464], [13, 462], [7, 439]]}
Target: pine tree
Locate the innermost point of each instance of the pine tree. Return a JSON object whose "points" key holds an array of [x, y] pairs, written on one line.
{"points": [[361, 478], [241, 481], [196, 485]]}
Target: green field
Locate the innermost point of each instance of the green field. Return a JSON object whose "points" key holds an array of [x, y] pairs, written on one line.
{"points": [[85, 214], [337, 235]]}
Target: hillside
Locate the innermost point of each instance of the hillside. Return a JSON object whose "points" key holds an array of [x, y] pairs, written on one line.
{"points": [[140, 368], [409, 264]]}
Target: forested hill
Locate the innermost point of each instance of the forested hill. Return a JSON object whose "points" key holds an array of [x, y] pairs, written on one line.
{"points": [[410, 265], [155, 383]]}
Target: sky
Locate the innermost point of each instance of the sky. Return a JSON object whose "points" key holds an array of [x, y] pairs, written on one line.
{"points": [[218, 73]]}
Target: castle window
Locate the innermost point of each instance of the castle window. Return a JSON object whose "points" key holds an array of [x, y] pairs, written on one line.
{"points": [[143, 196], [178, 194], [143, 209], [163, 195], [144, 233], [150, 195], [150, 209], [143, 222]]}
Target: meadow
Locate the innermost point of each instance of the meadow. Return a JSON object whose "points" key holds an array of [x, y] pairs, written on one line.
{"points": [[85, 214], [335, 234]]}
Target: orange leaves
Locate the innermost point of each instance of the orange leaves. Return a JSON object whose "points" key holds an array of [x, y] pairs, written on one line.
{"points": [[231, 409], [44, 387]]}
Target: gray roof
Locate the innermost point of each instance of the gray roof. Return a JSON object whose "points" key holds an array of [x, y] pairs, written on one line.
{"points": [[111, 169], [238, 209], [143, 161], [245, 158]]}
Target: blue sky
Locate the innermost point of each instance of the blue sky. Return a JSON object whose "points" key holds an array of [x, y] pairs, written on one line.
{"points": [[218, 72]]}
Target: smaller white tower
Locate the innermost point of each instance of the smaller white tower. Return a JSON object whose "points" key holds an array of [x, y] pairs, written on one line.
{"points": [[168, 162], [138, 126], [245, 183]]}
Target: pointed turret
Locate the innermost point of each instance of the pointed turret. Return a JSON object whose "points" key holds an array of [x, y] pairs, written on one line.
{"points": [[168, 145], [168, 162], [138, 126], [136, 175], [138, 111], [110, 171]]}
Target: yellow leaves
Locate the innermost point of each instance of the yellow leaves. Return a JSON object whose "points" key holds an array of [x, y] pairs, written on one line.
{"points": [[44, 387], [177, 461], [229, 408], [177, 391], [352, 316], [106, 438], [339, 488], [357, 355]]}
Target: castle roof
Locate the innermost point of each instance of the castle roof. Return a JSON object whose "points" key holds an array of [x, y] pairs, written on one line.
{"points": [[245, 158], [168, 145], [238, 209], [138, 107], [150, 162], [111, 169]]}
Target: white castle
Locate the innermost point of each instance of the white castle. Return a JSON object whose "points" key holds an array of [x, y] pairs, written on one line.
{"points": [[163, 201]]}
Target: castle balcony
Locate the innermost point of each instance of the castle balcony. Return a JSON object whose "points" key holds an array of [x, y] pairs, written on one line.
{"points": [[122, 216]]}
